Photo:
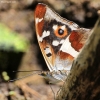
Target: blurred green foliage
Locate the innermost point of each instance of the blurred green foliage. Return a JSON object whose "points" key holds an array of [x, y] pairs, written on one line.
{"points": [[5, 76], [12, 41]]}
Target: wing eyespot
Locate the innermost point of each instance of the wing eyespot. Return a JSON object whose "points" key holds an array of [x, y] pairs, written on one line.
{"points": [[61, 31]]}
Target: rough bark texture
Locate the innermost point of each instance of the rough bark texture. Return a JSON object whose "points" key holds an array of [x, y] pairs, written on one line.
{"points": [[83, 83]]}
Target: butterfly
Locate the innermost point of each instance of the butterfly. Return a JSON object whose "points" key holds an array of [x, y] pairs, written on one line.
{"points": [[60, 41]]}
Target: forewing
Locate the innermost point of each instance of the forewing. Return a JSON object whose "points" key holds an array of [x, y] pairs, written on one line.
{"points": [[56, 38]]}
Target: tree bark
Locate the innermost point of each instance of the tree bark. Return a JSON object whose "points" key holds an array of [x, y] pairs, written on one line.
{"points": [[83, 82]]}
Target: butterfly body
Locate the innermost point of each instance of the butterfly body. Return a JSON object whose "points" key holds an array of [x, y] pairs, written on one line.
{"points": [[60, 41]]}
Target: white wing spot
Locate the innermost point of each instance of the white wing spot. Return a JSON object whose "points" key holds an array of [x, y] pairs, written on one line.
{"points": [[39, 38], [40, 19], [55, 43], [63, 27], [54, 27], [37, 20], [44, 34], [47, 50]]}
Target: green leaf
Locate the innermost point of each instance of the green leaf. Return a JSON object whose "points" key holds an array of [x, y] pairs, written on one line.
{"points": [[12, 41]]}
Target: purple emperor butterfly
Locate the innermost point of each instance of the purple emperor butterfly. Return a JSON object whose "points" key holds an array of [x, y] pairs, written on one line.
{"points": [[60, 41]]}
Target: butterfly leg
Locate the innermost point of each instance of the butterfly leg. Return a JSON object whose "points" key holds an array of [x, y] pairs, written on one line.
{"points": [[52, 91]]}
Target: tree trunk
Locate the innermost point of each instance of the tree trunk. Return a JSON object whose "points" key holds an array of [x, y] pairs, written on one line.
{"points": [[83, 83]]}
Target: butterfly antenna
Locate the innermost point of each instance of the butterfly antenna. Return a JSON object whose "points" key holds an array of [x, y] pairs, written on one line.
{"points": [[27, 71], [24, 76]]}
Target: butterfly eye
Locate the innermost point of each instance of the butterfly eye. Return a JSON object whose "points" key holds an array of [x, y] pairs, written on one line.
{"points": [[60, 32]]}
